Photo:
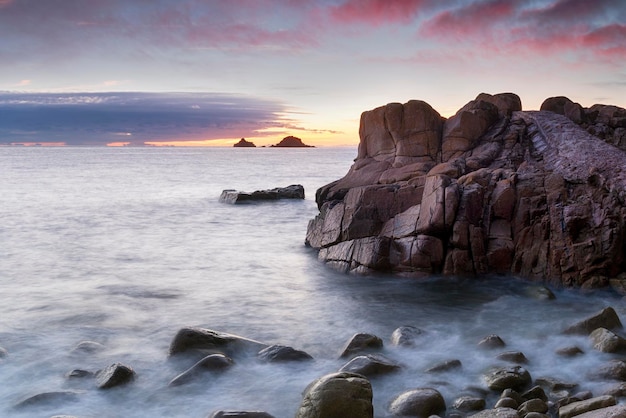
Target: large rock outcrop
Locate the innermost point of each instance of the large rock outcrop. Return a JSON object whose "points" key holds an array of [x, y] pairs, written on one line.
{"points": [[492, 189]]}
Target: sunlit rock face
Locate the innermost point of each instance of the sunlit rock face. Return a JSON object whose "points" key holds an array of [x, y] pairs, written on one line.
{"points": [[492, 189]]}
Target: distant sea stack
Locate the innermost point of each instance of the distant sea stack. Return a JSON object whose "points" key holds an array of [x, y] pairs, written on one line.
{"points": [[491, 190], [292, 141], [244, 144]]}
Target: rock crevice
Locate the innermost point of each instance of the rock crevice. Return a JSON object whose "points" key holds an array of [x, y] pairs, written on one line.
{"points": [[492, 189]]}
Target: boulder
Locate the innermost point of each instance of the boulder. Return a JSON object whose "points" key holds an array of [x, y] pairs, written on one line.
{"points": [[405, 336], [370, 365], [240, 414], [612, 370], [491, 342], [606, 341], [513, 357], [280, 353], [469, 404], [361, 342], [532, 405], [496, 413], [606, 318], [295, 191], [213, 362], [580, 407], [206, 340], [515, 377], [617, 411], [492, 189], [337, 395], [116, 374], [421, 402]]}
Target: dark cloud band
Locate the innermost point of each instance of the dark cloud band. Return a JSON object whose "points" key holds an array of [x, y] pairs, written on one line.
{"points": [[101, 118]]}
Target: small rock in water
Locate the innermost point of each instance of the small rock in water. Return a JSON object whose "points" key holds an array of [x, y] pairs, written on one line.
{"points": [[445, 366], [491, 341], [277, 353], [569, 351], [606, 318], [421, 402], [194, 338], [240, 414], [513, 357], [370, 365], [612, 370], [360, 342], [533, 405], [49, 397], [87, 347], [213, 362], [405, 336], [3, 352], [536, 392], [114, 375], [540, 292], [79, 373], [295, 191], [507, 403]]}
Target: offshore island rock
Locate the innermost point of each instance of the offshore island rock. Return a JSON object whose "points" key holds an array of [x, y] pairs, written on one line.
{"points": [[492, 189], [295, 191], [291, 142], [244, 144]]}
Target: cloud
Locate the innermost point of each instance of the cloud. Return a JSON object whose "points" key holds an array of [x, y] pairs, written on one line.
{"points": [[376, 12], [580, 27], [101, 118]]}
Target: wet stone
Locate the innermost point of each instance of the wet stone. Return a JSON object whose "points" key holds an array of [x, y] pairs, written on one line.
{"points": [[468, 404], [491, 342], [213, 362], [569, 351], [513, 357], [361, 342], [88, 347], [49, 397], [114, 375], [280, 353], [445, 366], [421, 402], [507, 402], [515, 377], [240, 414], [405, 336], [536, 392], [370, 365]]}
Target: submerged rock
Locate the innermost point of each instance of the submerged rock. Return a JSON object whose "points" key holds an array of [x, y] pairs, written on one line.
{"points": [[361, 342], [278, 353], [203, 339], [114, 375], [606, 318], [370, 365], [295, 191], [490, 189], [213, 363], [240, 414], [405, 336], [338, 395], [39, 399]]}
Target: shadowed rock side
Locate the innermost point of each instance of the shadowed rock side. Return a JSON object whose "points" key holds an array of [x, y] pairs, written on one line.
{"points": [[492, 189]]}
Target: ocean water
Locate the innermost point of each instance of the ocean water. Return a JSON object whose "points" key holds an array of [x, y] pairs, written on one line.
{"points": [[125, 246]]}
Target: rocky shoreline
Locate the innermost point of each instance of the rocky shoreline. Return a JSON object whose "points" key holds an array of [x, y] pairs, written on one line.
{"points": [[492, 189], [511, 387]]}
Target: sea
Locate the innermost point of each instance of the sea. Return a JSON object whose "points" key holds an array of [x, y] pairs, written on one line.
{"points": [[125, 246]]}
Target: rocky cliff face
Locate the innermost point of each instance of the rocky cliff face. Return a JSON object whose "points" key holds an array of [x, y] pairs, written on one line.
{"points": [[492, 189]]}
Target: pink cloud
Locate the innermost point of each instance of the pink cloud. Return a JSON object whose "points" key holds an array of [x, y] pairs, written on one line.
{"points": [[377, 12], [472, 18]]}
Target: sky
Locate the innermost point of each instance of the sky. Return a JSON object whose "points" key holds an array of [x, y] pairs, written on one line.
{"points": [[209, 72]]}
